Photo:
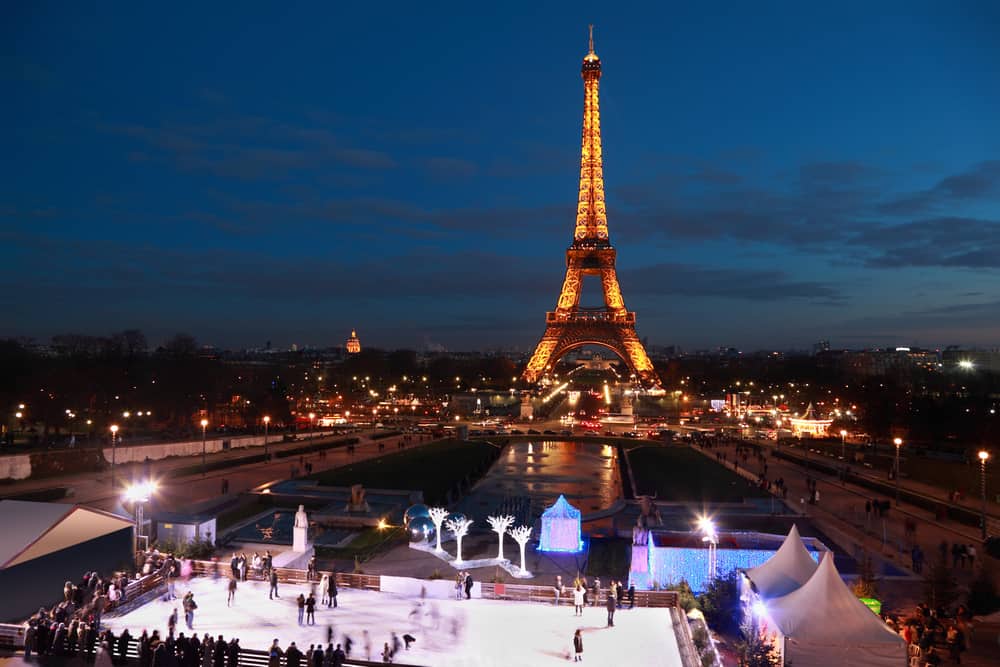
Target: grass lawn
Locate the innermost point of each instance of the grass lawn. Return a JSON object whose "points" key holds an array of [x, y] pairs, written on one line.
{"points": [[678, 474], [433, 468]]}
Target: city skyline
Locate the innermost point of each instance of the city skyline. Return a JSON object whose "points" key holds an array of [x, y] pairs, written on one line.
{"points": [[774, 177]]}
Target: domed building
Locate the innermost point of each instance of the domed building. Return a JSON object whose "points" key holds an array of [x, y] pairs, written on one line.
{"points": [[353, 344]]}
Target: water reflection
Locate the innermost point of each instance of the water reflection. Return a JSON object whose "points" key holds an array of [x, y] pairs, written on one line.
{"points": [[586, 473]]}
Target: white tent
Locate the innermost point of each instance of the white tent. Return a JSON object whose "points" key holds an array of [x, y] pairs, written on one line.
{"points": [[822, 624], [789, 568], [561, 528]]}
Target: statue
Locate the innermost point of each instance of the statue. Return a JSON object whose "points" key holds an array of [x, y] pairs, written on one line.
{"points": [[300, 531], [357, 502]]}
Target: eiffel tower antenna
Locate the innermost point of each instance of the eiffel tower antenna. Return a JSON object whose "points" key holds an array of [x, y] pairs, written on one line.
{"points": [[591, 38]]}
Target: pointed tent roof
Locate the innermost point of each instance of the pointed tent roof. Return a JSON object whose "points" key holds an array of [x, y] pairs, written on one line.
{"points": [[561, 510], [824, 613], [33, 530], [785, 571]]}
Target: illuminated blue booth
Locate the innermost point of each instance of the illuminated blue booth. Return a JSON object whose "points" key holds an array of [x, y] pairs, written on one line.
{"points": [[561, 528]]}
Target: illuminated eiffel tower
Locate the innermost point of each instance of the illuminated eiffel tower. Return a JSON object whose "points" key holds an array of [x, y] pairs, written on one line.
{"points": [[591, 254]]}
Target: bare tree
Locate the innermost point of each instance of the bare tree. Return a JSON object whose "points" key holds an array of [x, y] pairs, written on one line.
{"points": [[459, 527], [438, 515], [499, 525], [521, 535]]}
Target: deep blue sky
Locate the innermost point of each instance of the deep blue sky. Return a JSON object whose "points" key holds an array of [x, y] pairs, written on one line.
{"points": [[777, 173]]}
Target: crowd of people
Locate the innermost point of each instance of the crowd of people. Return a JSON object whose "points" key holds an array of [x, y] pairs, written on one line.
{"points": [[929, 634]]}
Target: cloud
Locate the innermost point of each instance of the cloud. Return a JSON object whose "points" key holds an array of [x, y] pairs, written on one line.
{"points": [[449, 168], [731, 283], [946, 242], [980, 182]]}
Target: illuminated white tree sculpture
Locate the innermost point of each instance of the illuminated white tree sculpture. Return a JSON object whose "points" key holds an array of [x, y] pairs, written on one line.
{"points": [[438, 515], [521, 535], [500, 524], [458, 527]]}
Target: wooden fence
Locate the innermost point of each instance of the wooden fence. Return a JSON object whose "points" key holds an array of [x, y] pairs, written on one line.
{"points": [[531, 593]]}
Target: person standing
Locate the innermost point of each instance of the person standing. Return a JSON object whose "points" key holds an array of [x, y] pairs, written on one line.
{"points": [[293, 656], [595, 593], [577, 646], [301, 602], [324, 587], [172, 623], [558, 588], [619, 593], [189, 606], [232, 592], [366, 638], [468, 585], [331, 593], [274, 655], [311, 569], [611, 604], [274, 585], [631, 596], [578, 600], [311, 610], [234, 566], [459, 580]]}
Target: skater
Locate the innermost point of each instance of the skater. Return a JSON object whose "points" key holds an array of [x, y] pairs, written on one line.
{"points": [[189, 606], [172, 623], [331, 592], [459, 578], [408, 639], [577, 646], [274, 585], [366, 638], [348, 645], [311, 569], [311, 610], [558, 588], [302, 606], [468, 585], [324, 587], [611, 606], [578, 600], [595, 592], [386, 651], [232, 592], [631, 596], [619, 593]]}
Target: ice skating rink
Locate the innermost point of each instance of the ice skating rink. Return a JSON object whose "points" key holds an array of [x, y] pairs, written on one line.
{"points": [[449, 633]]}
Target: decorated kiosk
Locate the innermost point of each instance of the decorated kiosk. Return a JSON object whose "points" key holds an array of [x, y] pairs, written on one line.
{"points": [[561, 528]]}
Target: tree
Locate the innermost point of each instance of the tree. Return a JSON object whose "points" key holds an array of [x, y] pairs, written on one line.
{"points": [[499, 525], [459, 527], [755, 650], [866, 586], [720, 602], [521, 535], [438, 515]]}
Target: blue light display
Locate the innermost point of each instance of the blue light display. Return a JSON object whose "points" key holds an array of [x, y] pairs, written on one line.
{"points": [[670, 565], [561, 528]]}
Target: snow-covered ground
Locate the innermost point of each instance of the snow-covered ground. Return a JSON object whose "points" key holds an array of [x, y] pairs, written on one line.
{"points": [[467, 633]]}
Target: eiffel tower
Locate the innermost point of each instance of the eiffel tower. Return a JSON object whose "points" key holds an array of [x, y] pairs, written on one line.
{"points": [[591, 254]]}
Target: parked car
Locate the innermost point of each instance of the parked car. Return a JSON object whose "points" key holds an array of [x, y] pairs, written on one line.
{"points": [[548, 432], [516, 431], [532, 431]]}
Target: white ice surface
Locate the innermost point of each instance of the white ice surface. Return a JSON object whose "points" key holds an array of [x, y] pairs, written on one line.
{"points": [[489, 632]]}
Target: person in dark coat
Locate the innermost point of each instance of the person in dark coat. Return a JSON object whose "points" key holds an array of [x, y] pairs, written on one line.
{"points": [[233, 652], [331, 591], [631, 596], [468, 585], [274, 655], [338, 657], [311, 610], [619, 594], [219, 653], [577, 646], [123, 643], [301, 602], [612, 604], [293, 656], [274, 585], [317, 656]]}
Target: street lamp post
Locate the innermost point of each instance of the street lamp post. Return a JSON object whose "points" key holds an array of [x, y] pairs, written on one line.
{"points": [[204, 445], [139, 494], [898, 442], [983, 458], [312, 421], [267, 420], [114, 436], [843, 444]]}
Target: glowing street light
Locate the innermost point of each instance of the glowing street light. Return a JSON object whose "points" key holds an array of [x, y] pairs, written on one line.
{"points": [[707, 527], [138, 494], [984, 456], [114, 437], [312, 420], [267, 422], [204, 450], [843, 444], [898, 442]]}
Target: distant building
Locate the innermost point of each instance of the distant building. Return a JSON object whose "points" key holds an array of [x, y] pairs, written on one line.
{"points": [[353, 344]]}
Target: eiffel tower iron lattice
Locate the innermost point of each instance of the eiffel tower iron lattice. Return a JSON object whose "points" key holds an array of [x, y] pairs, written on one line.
{"points": [[591, 254]]}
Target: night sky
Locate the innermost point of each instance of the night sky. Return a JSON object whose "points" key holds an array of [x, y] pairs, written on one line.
{"points": [[777, 173]]}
